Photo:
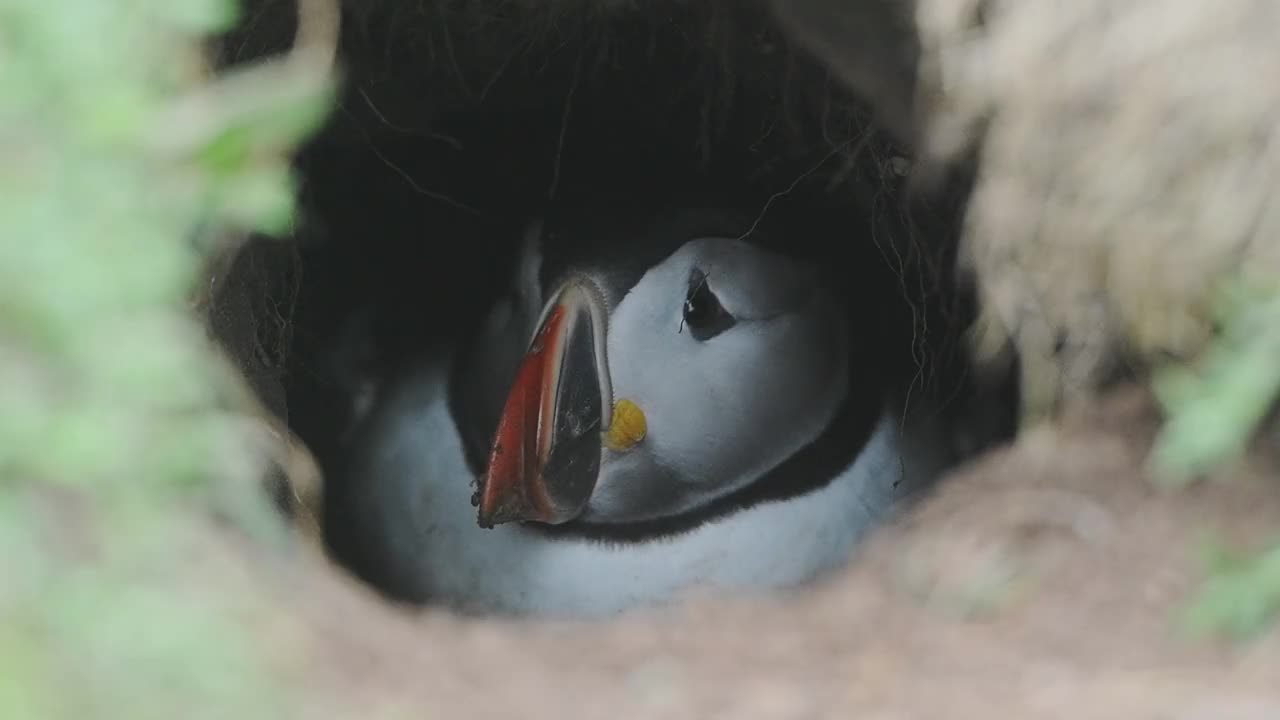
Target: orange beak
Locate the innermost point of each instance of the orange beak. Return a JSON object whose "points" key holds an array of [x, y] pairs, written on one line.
{"points": [[546, 453]]}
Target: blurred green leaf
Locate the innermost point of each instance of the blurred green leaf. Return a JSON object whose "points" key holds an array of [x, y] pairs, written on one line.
{"points": [[246, 113], [118, 153], [1242, 595], [267, 123], [203, 16], [261, 199], [1214, 409], [24, 688]]}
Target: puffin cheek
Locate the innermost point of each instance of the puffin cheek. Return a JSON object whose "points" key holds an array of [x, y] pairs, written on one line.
{"points": [[632, 487]]}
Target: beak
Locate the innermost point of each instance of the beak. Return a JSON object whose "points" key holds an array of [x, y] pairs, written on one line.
{"points": [[546, 453]]}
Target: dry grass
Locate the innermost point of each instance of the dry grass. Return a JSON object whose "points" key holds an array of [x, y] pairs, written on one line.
{"points": [[1127, 156], [1130, 165]]}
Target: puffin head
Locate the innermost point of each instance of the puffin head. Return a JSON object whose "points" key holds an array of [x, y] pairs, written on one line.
{"points": [[652, 390]]}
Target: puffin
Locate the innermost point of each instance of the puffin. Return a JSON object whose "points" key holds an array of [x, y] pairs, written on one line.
{"points": [[662, 401]]}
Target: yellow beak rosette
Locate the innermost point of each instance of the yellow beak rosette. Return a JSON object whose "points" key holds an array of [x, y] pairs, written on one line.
{"points": [[627, 428]]}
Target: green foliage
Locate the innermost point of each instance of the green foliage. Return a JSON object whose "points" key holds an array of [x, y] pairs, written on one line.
{"points": [[1215, 409], [118, 154], [1242, 595]]}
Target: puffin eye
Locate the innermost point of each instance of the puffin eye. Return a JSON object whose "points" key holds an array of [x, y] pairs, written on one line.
{"points": [[703, 313]]}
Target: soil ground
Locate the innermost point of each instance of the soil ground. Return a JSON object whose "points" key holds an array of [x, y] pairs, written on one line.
{"points": [[1043, 581]]}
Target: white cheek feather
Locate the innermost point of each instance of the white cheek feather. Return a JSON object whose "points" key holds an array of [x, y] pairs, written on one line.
{"points": [[414, 487], [725, 411]]}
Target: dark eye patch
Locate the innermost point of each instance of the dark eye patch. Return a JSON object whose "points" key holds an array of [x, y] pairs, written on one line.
{"points": [[703, 314]]}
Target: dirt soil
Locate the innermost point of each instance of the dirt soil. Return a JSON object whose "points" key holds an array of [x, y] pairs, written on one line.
{"points": [[1095, 559]]}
